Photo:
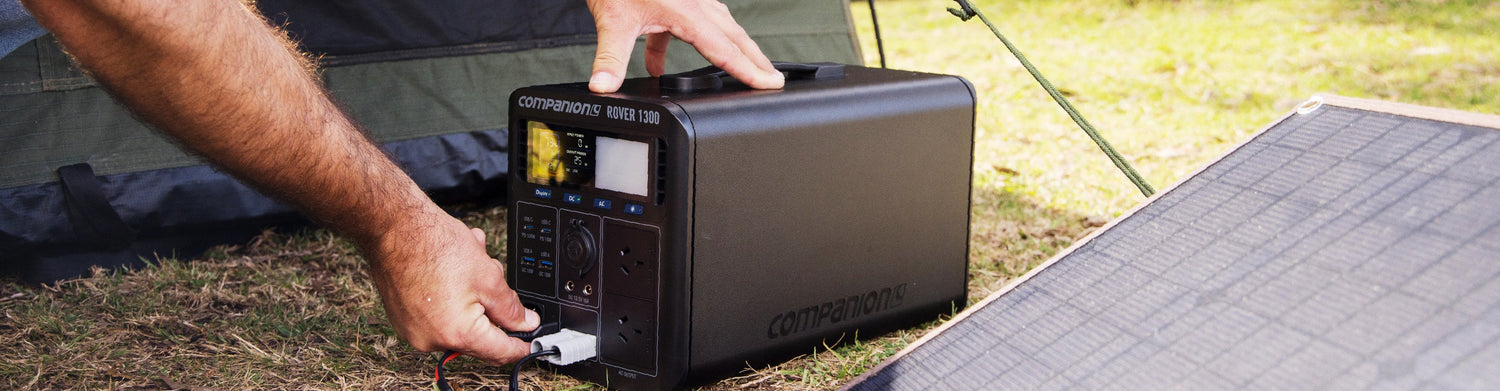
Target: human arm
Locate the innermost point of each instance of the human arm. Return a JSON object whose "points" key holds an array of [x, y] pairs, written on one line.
{"points": [[216, 78], [705, 24]]}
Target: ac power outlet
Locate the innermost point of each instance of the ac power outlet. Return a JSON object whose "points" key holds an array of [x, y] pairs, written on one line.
{"points": [[628, 333], [631, 257]]}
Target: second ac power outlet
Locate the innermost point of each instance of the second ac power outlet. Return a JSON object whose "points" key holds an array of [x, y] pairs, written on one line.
{"points": [[627, 333], [628, 310]]}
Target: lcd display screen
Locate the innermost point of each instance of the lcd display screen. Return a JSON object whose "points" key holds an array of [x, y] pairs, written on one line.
{"points": [[574, 159]]}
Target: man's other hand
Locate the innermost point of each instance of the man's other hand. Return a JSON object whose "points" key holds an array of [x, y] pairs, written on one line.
{"points": [[705, 24], [443, 292]]}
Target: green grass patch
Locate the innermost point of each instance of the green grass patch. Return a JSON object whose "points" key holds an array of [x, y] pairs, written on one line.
{"points": [[1172, 83]]}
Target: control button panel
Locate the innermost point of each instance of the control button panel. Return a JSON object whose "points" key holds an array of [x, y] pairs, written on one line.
{"points": [[601, 204]]}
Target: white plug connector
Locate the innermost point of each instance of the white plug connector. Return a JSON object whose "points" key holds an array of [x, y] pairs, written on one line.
{"points": [[572, 346]]}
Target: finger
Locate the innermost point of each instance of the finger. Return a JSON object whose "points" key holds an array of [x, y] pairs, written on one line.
{"points": [[503, 307], [493, 346], [721, 17], [720, 51], [656, 53], [478, 234], [510, 315], [611, 58]]}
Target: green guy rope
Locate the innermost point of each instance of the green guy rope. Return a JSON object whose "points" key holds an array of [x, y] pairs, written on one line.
{"points": [[967, 11]]}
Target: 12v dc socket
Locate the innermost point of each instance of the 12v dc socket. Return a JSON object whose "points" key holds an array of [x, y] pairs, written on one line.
{"points": [[578, 248]]}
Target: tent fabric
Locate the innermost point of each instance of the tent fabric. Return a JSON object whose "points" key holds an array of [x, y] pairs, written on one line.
{"points": [[441, 111], [378, 30], [44, 98], [16, 26], [182, 211]]}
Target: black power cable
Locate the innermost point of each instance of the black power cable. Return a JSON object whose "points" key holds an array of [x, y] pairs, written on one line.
{"points": [[545, 328], [515, 374], [441, 382]]}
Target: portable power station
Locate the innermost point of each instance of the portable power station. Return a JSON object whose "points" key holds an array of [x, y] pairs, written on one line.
{"points": [[698, 227]]}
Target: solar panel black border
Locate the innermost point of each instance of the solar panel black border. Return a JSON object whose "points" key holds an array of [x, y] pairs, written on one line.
{"points": [[1352, 244]]}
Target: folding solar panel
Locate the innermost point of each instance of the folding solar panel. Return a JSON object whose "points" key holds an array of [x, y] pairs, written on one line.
{"points": [[1353, 244]]}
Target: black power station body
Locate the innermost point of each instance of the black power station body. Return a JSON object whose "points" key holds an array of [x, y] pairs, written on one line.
{"points": [[698, 227]]}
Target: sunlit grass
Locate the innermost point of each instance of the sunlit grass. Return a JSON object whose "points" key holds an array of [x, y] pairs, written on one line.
{"points": [[1175, 83]]}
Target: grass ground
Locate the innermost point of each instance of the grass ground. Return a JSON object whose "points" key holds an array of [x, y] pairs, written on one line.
{"points": [[1172, 83]]}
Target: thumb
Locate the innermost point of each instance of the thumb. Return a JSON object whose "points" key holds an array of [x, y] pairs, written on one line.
{"points": [[478, 234], [492, 344]]}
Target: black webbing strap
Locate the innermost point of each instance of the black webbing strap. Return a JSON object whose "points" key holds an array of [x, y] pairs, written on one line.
{"points": [[94, 220]]}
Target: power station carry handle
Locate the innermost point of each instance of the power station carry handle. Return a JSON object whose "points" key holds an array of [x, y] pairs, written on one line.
{"points": [[711, 77]]}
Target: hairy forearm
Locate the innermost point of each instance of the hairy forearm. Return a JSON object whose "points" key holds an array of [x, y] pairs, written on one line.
{"points": [[216, 78]]}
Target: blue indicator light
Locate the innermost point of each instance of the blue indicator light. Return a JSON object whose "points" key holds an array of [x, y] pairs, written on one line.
{"points": [[542, 193], [634, 209], [602, 203], [572, 198]]}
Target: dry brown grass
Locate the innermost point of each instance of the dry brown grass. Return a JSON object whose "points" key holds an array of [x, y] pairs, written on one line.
{"points": [[296, 311], [289, 313]]}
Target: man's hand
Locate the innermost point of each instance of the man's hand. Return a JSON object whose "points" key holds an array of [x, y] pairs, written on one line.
{"points": [[705, 24], [443, 292]]}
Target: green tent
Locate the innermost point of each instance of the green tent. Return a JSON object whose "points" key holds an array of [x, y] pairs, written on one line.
{"points": [[84, 183]]}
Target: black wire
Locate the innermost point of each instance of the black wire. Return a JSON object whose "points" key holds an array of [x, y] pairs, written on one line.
{"points": [[879, 43], [442, 381], [515, 373]]}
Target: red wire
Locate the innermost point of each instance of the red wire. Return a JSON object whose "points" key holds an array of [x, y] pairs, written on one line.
{"points": [[437, 374]]}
